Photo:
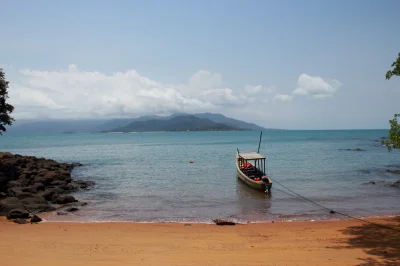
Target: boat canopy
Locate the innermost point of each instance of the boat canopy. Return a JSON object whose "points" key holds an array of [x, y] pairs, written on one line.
{"points": [[251, 156]]}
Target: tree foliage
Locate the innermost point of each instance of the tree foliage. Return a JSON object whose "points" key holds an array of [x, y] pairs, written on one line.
{"points": [[5, 108], [393, 140], [396, 69]]}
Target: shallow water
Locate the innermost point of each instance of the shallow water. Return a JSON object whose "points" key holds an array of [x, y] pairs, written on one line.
{"points": [[148, 177]]}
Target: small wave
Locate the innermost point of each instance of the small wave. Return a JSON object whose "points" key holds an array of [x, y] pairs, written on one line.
{"points": [[310, 217]]}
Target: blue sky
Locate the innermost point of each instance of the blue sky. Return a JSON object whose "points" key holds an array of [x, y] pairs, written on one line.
{"points": [[287, 64]]}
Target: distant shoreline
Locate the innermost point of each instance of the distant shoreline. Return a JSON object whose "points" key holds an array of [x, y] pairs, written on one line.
{"points": [[168, 131], [264, 130]]}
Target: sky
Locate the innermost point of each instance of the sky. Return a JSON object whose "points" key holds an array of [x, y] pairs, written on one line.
{"points": [[281, 64]]}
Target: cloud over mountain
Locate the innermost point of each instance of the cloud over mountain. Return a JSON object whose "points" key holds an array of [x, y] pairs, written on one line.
{"points": [[74, 93]]}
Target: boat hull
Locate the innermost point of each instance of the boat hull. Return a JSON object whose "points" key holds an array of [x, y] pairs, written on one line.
{"points": [[259, 185]]}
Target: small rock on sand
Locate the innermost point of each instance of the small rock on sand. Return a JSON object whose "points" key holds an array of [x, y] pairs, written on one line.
{"points": [[20, 221], [222, 222], [36, 219]]}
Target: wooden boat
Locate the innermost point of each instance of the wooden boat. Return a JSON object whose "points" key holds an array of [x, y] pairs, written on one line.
{"points": [[250, 168]]}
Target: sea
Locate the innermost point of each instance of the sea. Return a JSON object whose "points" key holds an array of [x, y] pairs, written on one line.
{"points": [[149, 177]]}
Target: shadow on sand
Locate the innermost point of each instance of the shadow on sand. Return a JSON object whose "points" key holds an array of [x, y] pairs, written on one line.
{"points": [[383, 244]]}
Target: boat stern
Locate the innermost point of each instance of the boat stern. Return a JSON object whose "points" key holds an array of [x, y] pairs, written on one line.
{"points": [[268, 183]]}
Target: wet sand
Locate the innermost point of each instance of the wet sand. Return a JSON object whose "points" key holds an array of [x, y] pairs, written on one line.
{"points": [[346, 242]]}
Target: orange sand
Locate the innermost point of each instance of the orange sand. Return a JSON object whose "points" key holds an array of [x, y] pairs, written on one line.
{"points": [[281, 243]]}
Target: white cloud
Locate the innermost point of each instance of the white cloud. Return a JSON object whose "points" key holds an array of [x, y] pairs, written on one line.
{"points": [[316, 86], [284, 97], [203, 80], [74, 93], [255, 89]]}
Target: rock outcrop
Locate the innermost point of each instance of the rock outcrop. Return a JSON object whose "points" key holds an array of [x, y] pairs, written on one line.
{"points": [[396, 172], [29, 185], [396, 184]]}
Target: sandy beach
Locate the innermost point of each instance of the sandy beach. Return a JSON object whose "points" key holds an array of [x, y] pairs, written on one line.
{"points": [[346, 242]]}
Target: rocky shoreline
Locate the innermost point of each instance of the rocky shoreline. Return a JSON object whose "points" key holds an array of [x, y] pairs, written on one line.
{"points": [[30, 185]]}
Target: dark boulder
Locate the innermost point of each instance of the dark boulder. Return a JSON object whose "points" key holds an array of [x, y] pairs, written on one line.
{"points": [[48, 194], [54, 178], [25, 182], [64, 199], [72, 187], [17, 213], [59, 190], [84, 184], [25, 189], [58, 183], [62, 213], [43, 180], [3, 182], [5, 155], [20, 221], [8, 204], [71, 209], [8, 166], [36, 187], [23, 195], [66, 167], [69, 187], [58, 175], [354, 149], [42, 172], [223, 222], [396, 184], [29, 173], [51, 193], [37, 204], [36, 219], [63, 172], [12, 191], [13, 183], [396, 172], [20, 193], [49, 165]]}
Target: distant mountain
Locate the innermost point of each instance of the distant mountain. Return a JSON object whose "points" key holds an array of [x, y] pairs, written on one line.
{"points": [[176, 123], [114, 123], [105, 125], [218, 118]]}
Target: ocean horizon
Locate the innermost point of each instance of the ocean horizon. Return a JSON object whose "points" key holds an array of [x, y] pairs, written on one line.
{"points": [[149, 177]]}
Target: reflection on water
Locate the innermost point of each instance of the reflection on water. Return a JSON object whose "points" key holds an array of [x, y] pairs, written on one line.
{"points": [[243, 191], [252, 204]]}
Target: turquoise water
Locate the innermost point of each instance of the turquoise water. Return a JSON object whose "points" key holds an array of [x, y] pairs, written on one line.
{"points": [[147, 176]]}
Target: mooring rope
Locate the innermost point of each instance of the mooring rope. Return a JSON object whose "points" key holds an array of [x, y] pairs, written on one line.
{"points": [[332, 211]]}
